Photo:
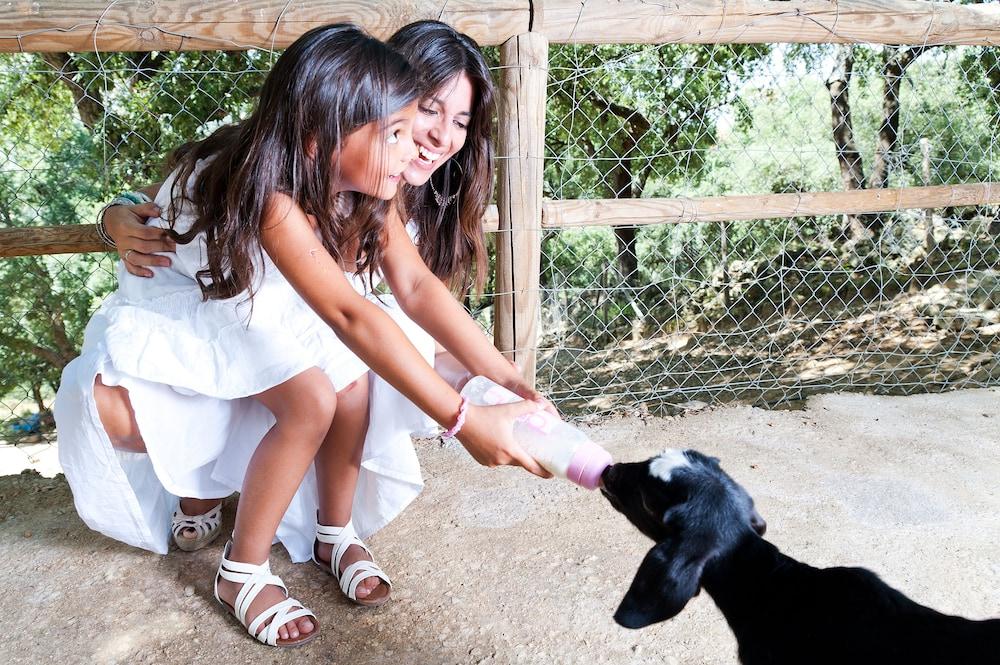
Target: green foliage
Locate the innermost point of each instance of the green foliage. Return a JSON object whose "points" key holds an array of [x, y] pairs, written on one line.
{"points": [[623, 121], [62, 155]]}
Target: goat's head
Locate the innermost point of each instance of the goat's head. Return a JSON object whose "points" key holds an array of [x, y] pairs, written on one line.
{"points": [[694, 512]]}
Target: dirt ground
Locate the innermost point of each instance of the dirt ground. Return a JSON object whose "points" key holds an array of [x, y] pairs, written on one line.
{"points": [[495, 566]]}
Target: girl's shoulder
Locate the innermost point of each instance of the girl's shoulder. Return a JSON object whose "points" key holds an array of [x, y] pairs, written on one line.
{"points": [[281, 205]]}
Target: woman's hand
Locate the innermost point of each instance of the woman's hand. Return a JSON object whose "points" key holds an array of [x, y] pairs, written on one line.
{"points": [[526, 392], [137, 242], [515, 383], [488, 435]]}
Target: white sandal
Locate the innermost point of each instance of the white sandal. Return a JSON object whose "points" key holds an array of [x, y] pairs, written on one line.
{"points": [[254, 579], [207, 528], [341, 538]]}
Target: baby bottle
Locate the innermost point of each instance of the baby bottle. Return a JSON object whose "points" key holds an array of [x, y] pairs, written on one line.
{"points": [[562, 449]]}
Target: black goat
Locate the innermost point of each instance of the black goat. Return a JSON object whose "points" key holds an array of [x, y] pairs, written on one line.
{"points": [[782, 612]]}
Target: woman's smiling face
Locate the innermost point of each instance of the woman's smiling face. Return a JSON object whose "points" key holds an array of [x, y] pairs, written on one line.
{"points": [[440, 128]]}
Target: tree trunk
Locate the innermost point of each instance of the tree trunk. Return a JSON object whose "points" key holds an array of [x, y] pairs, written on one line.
{"points": [[628, 259], [852, 172], [88, 102], [897, 59], [36, 392]]}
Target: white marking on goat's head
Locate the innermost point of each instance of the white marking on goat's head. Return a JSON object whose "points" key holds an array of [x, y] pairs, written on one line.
{"points": [[664, 464]]}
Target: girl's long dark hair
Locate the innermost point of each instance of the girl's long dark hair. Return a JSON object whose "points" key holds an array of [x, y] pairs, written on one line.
{"points": [[328, 83], [451, 237]]}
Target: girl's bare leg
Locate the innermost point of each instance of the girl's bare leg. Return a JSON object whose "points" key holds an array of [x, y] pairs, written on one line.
{"points": [[337, 466], [303, 408], [118, 418]]}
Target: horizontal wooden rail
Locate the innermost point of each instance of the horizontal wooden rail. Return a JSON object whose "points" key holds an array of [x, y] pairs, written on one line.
{"points": [[640, 212], [756, 21], [37, 240], [160, 25], [208, 25]]}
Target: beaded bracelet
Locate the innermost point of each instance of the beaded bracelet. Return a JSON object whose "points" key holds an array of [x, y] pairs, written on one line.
{"points": [[123, 199], [458, 421]]}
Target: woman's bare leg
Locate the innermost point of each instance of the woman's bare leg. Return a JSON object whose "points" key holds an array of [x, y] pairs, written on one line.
{"points": [[450, 369], [118, 418]]}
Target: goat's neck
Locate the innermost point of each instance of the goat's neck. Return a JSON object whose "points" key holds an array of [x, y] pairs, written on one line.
{"points": [[749, 571]]}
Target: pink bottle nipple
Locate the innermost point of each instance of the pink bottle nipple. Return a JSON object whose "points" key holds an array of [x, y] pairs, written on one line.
{"points": [[588, 463]]}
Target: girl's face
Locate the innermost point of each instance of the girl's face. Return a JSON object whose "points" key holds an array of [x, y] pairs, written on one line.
{"points": [[440, 128], [375, 155]]}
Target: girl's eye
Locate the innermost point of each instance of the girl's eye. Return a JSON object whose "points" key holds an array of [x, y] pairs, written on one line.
{"points": [[393, 138], [427, 111], [461, 125]]}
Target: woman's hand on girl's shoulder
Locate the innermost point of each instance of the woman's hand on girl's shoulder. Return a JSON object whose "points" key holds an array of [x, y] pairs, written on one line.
{"points": [[488, 435], [137, 243]]}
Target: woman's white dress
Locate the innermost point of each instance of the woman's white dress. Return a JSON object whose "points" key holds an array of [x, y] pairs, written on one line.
{"points": [[190, 366]]}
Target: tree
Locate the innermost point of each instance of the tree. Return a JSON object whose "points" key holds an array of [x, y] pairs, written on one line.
{"points": [[74, 130], [894, 61], [621, 117]]}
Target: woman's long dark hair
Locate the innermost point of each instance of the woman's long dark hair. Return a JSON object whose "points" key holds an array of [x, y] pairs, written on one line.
{"points": [[451, 237], [328, 83]]}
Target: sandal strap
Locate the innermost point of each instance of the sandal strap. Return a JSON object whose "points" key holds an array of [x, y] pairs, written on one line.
{"points": [[349, 579], [282, 613], [341, 537], [254, 577], [202, 524]]}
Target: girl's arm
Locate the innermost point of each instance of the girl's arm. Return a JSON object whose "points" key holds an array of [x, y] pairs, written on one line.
{"points": [[430, 304], [126, 226], [289, 239]]}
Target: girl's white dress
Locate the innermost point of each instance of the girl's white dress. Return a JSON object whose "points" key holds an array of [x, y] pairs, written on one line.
{"points": [[190, 366]]}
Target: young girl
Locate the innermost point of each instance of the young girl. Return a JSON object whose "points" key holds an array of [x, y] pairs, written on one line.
{"points": [[449, 188], [259, 267]]}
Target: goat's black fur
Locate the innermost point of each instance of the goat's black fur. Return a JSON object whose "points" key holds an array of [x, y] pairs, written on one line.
{"points": [[782, 612]]}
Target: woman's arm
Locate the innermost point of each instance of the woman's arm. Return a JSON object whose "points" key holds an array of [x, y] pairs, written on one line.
{"points": [[290, 241], [126, 226], [430, 304]]}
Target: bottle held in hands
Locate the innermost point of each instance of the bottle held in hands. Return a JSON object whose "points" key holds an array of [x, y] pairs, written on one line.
{"points": [[562, 449]]}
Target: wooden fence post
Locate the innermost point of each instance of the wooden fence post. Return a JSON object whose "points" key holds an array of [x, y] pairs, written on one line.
{"points": [[524, 73]]}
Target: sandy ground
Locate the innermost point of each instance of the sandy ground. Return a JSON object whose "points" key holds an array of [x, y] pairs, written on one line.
{"points": [[495, 566]]}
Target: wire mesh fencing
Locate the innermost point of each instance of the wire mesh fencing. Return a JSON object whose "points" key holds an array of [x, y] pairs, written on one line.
{"points": [[76, 129], [772, 310], [657, 315]]}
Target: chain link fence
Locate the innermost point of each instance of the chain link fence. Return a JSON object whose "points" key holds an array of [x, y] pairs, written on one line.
{"points": [[661, 315], [671, 316]]}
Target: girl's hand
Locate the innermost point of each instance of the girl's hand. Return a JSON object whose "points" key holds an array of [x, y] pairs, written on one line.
{"points": [[488, 435], [136, 242]]}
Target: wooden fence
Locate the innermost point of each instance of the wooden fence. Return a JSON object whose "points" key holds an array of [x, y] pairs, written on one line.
{"points": [[524, 30]]}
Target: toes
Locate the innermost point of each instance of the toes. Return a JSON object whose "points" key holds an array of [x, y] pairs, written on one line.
{"points": [[305, 626], [366, 588]]}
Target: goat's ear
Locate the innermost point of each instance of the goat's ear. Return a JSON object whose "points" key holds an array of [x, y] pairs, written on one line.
{"points": [[667, 579]]}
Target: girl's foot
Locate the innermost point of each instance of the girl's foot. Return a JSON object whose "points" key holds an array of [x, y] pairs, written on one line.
{"points": [[258, 598], [370, 585], [354, 553], [196, 523]]}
